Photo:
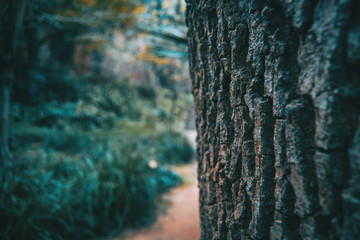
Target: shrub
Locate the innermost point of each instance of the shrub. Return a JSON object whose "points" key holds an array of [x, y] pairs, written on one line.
{"points": [[51, 196], [173, 148], [70, 142]]}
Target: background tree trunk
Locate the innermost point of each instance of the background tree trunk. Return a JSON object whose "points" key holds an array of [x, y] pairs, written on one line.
{"points": [[276, 87], [11, 13]]}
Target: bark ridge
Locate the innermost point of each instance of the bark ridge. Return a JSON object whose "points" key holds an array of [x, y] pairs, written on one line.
{"points": [[277, 89]]}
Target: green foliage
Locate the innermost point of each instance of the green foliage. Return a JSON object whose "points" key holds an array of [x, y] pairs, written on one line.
{"points": [[103, 105], [52, 196], [76, 176], [61, 14], [89, 152], [173, 148], [69, 143]]}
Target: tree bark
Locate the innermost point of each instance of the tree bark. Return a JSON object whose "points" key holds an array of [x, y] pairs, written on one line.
{"points": [[11, 13], [277, 90]]}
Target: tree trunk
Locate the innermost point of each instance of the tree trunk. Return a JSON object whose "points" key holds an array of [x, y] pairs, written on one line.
{"points": [[277, 91], [4, 123], [11, 13]]}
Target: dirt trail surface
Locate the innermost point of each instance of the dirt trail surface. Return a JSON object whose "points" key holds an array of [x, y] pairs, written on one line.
{"points": [[181, 220]]}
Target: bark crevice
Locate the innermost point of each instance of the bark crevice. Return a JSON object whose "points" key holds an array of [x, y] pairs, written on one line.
{"points": [[276, 86]]}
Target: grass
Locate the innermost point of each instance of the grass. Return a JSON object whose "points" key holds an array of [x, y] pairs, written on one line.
{"points": [[52, 196]]}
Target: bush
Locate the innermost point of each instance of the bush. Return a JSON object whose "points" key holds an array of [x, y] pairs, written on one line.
{"points": [[87, 164], [173, 148], [50, 196], [72, 142]]}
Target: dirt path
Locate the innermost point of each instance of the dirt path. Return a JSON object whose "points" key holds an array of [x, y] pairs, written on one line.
{"points": [[181, 220]]}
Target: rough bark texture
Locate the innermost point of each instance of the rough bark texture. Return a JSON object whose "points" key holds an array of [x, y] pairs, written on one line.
{"points": [[277, 90]]}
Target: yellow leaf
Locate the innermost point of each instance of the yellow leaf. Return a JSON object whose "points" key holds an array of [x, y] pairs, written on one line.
{"points": [[140, 9], [148, 56], [94, 45], [88, 2]]}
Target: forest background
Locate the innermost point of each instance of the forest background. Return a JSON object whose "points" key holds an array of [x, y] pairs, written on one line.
{"points": [[99, 96]]}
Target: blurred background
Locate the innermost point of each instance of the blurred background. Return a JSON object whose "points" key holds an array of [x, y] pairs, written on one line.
{"points": [[101, 124]]}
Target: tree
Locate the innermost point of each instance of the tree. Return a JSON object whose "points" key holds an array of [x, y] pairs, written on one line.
{"points": [[277, 90], [11, 13]]}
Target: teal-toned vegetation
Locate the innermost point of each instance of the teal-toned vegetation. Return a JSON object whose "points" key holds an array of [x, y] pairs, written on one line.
{"points": [[90, 167], [95, 114], [173, 148], [52, 195]]}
